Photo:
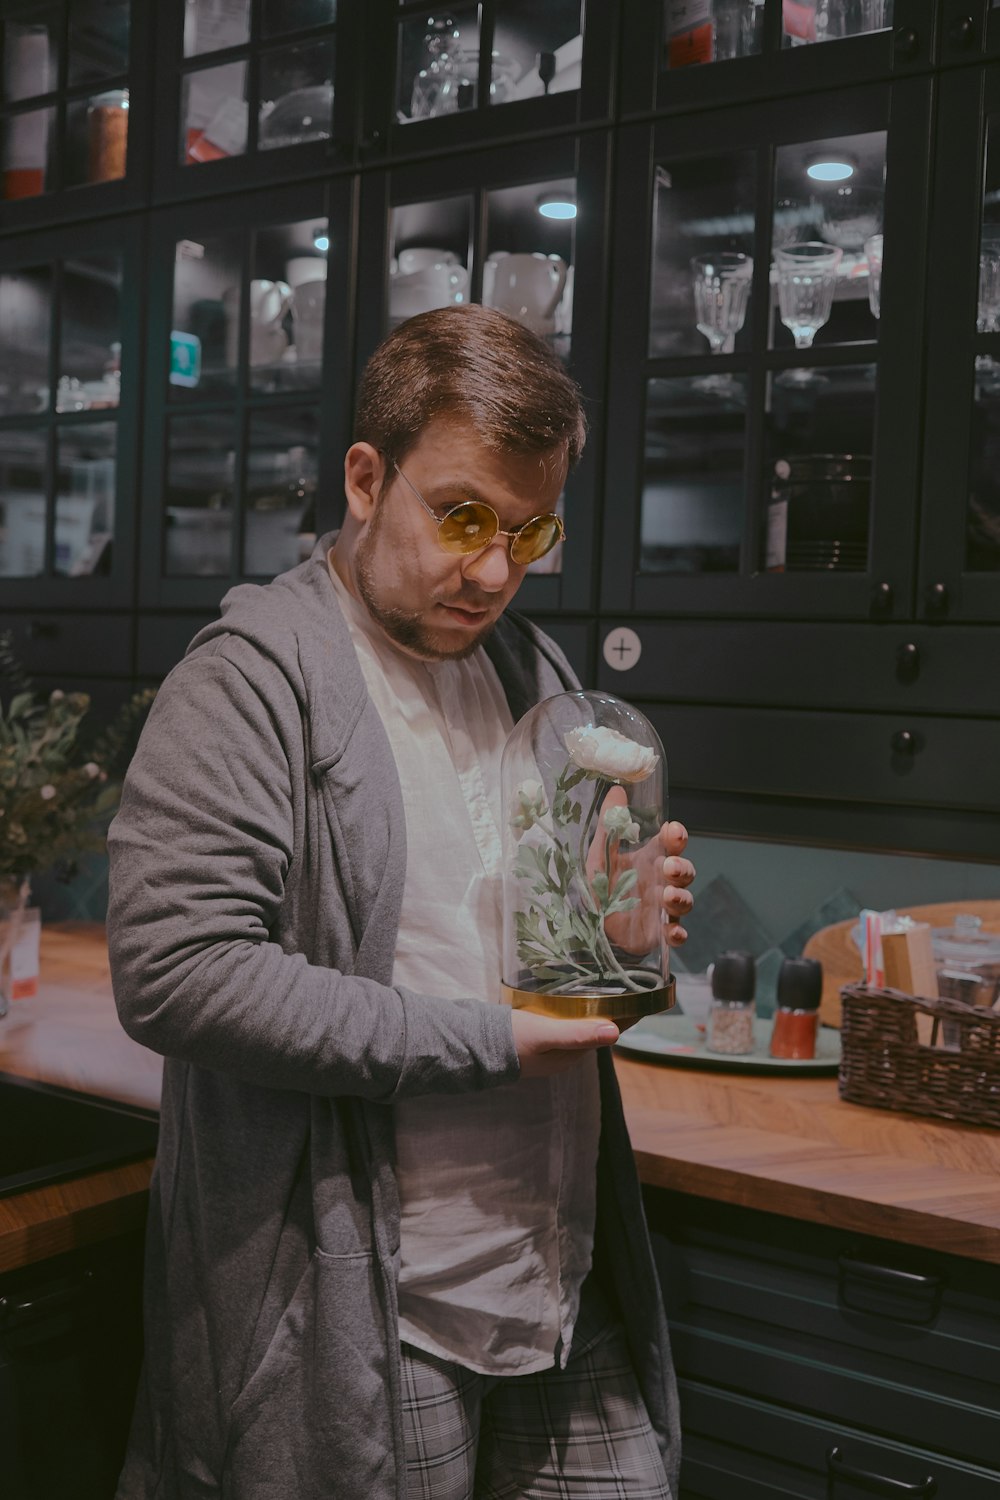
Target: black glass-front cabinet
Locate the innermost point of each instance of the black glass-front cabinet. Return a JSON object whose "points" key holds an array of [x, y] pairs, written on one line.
{"points": [[762, 237]]}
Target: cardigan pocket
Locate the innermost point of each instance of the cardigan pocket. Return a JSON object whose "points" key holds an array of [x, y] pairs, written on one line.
{"points": [[313, 1420]]}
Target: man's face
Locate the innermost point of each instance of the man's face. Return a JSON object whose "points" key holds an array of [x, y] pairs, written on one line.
{"points": [[432, 603]]}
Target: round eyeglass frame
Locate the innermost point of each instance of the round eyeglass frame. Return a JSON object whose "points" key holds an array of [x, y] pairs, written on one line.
{"points": [[467, 520]]}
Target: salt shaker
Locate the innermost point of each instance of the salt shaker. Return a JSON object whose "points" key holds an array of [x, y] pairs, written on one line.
{"points": [[730, 1020], [796, 1018]]}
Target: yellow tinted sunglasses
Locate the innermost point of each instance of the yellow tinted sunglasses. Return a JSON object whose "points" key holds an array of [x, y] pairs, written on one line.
{"points": [[472, 525]]}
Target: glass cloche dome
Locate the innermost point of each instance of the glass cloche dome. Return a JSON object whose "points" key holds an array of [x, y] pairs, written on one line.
{"points": [[584, 783]]}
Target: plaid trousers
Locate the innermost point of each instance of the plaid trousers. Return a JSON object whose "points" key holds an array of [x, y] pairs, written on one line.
{"points": [[581, 1433]]}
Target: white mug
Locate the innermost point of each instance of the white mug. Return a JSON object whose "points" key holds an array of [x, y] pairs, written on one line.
{"points": [[525, 287], [269, 303], [419, 256], [438, 285]]}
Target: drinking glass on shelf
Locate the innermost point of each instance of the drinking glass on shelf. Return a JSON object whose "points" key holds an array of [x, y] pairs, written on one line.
{"points": [[807, 276], [988, 309], [873, 255], [721, 292]]}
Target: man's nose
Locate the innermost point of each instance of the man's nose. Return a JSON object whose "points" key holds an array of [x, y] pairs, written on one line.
{"points": [[490, 569]]}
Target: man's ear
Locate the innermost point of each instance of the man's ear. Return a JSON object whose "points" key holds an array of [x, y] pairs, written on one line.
{"points": [[364, 476]]}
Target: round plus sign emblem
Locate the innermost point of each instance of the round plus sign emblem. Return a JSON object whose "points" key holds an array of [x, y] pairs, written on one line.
{"points": [[622, 648]]}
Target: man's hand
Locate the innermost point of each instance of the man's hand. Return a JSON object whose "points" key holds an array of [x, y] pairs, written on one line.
{"points": [[548, 1046], [662, 887]]}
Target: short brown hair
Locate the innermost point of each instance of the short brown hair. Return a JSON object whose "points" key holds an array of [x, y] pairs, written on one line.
{"points": [[476, 365]]}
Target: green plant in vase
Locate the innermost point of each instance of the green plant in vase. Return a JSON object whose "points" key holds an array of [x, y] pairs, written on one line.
{"points": [[58, 787]]}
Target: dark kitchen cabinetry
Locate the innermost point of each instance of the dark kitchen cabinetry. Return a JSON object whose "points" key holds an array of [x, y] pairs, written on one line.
{"points": [[70, 1351], [75, 109], [71, 326], [815, 1363], [789, 490]]}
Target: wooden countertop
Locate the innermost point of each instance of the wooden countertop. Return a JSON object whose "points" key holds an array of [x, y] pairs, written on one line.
{"points": [[787, 1145]]}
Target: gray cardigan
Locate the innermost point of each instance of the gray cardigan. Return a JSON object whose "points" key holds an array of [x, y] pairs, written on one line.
{"points": [[257, 866]]}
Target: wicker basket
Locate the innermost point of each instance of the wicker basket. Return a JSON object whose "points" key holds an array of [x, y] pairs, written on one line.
{"points": [[883, 1064]]}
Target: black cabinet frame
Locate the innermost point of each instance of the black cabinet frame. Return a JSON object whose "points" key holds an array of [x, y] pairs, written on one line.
{"points": [[333, 397], [904, 110]]}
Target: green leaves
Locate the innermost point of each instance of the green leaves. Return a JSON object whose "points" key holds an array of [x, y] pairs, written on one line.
{"points": [[56, 794]]}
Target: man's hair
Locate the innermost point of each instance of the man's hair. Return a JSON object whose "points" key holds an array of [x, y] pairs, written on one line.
{"points": [[477, 366]]}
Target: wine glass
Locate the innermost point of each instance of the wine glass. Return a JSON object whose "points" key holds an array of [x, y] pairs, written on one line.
{"points": [[721, 292], [873, 255], [807, 276]]}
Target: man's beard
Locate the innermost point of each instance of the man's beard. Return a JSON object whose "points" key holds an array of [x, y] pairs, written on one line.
{"points": [[404, 627]]}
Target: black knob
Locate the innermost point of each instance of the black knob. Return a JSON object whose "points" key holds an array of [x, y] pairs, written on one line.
{"points": [[936, 601], [906, 41], [372, 139], [904, 742], [908, 662], [881, 601], [963, 33]]}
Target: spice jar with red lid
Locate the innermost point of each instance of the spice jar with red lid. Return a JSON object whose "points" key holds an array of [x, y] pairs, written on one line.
{"points": [[796, 1017]]}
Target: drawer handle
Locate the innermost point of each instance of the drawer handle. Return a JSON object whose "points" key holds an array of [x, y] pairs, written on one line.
{"points": [[16, 1311], [919, 1294], [838, 1469]]}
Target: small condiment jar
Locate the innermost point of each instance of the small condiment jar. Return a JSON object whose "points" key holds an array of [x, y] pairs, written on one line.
{"points": [[796, 1018], [730, 1020]]}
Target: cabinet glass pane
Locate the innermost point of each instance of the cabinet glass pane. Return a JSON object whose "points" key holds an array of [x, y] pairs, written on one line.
{"points": [[988, 305], [693, 476], [698, 31], [210, 25], [982, 551], [31, 55], [96, 138], [28, 141], [201, 480], [805, 21], [828, 208], [205, 330], [296, 91], [90, 334], [703, 240], [85, 496], [25, 333], [296, 15], [537, 49], [23, 466], [530, 241], [214, 114], [430, 253], [818, 455], [98, 39], [281, 471], [438, 64], [286, 306]]}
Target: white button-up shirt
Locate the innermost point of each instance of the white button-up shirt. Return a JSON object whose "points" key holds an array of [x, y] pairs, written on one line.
{"points": [[497, 1188]]}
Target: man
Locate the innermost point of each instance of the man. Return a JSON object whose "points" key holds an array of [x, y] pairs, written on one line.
{"points": [[396, 1245]]}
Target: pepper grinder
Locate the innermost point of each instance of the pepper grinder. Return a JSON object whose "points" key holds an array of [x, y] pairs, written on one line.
{"points": [[730, 1020], [796, 1018]]}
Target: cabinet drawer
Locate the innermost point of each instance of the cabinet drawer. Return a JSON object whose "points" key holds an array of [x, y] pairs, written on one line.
{"points": [[924, 668], [947, 763], [735, 1446], [864, 1332], [74, 645]]}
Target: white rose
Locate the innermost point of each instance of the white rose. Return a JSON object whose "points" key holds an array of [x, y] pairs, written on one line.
{"points": [[605, 752], [91, 769], [47, 792], [618, 820]]}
